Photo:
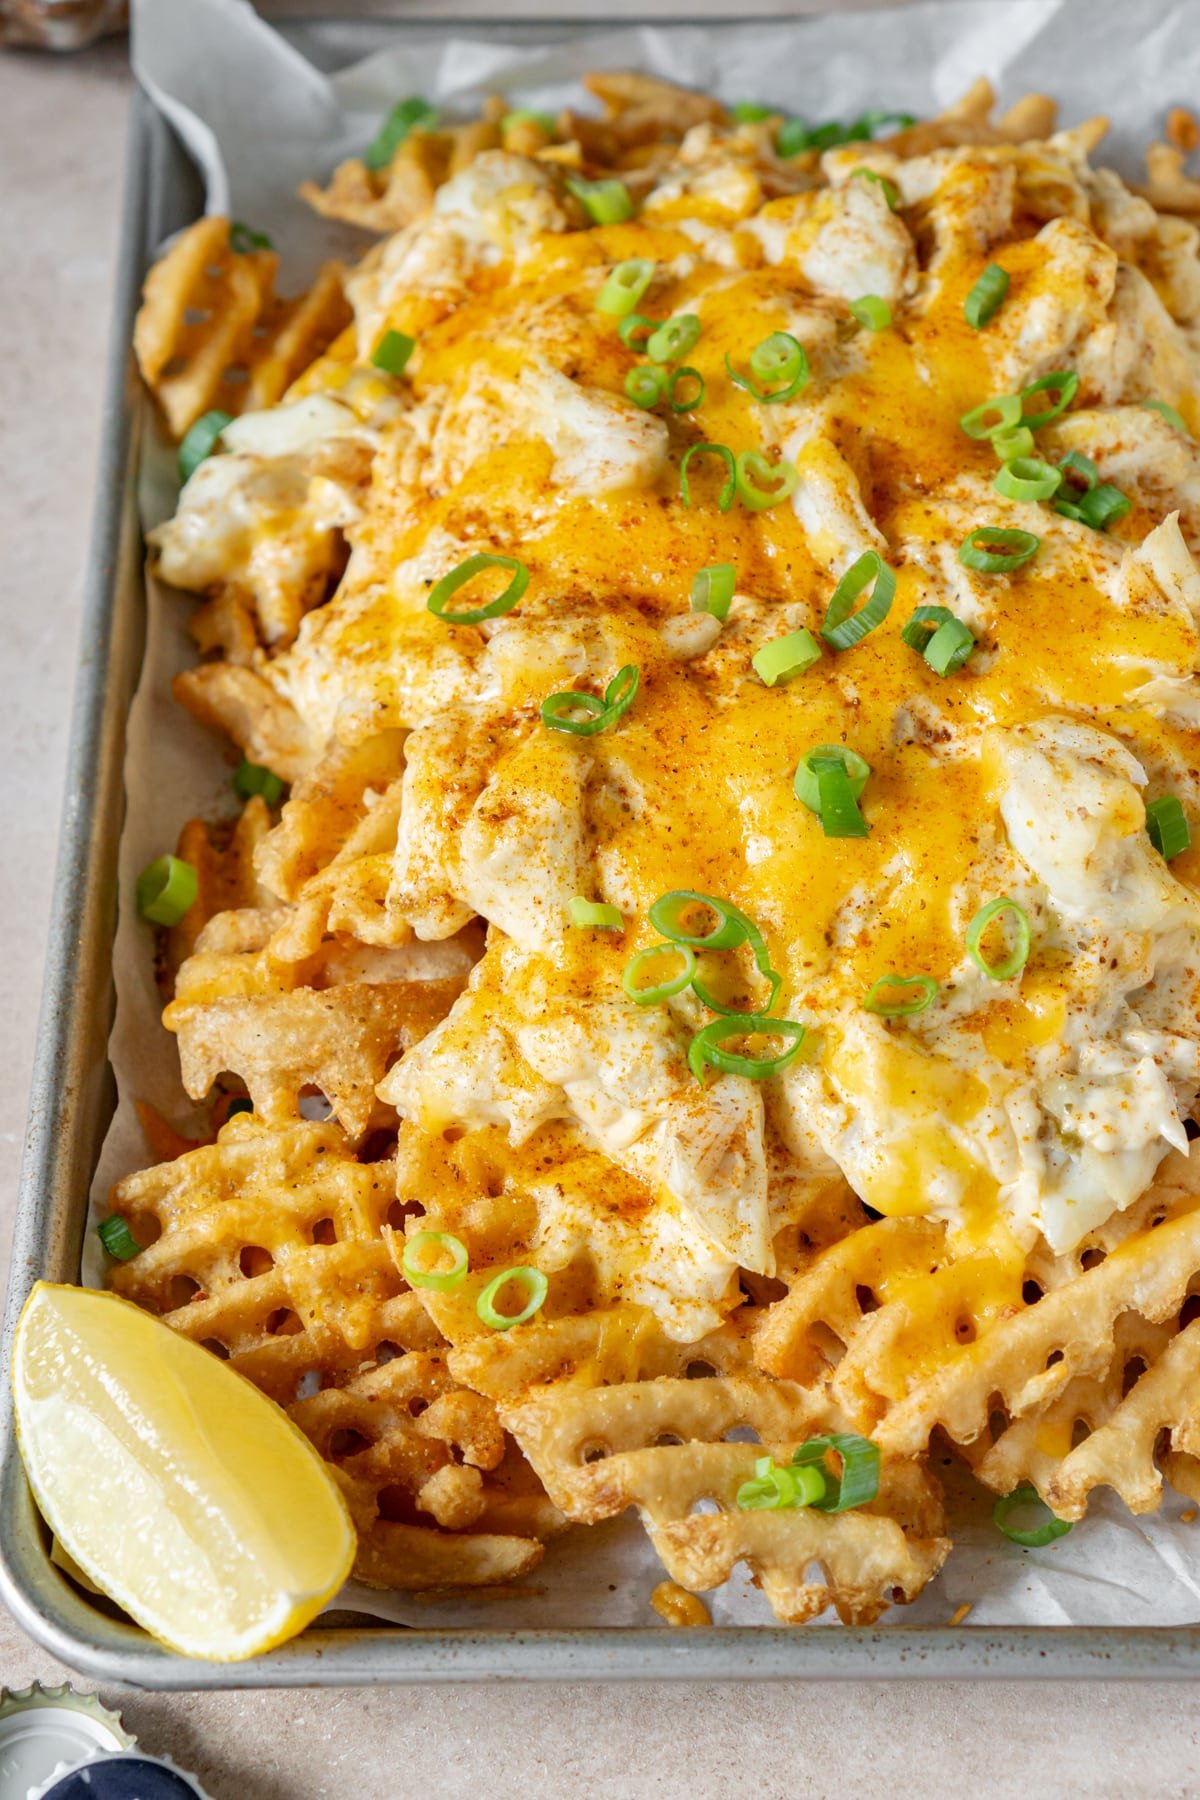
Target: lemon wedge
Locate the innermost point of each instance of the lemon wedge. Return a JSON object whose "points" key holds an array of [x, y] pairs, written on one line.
{"points": [[186, 1495]]}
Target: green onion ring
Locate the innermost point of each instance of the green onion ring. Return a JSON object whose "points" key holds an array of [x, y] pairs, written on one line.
{"points": [[1168, 413], [629, 330], [991, 416], [685, 372], [166, 890], [949, 647], [841, 815], [674, 338], [605, 202], [619, 696], [1167, 826], [779, 357], [1027, 1495], [536, 1287], [1063, 382], [805, 785], [1079, 471], [201, 440], [872, 312], [443, 591], [842, 626], [1027, 478], [986, 297], [712, 589], [786, 657], [118, 1240], [776, 1487], [251, 778], [752, 470], [706, 1046], [626, 284], [407, 115], [891, 192], [392, 352], [858, 1483], [659, 990], [1013, 549], [243, 239], [728, 492], [732, 927], [1103, 505], [1008, 445], [900, 1009], [438, 1281], [644, 385], [595, 915], [1018, 956]]}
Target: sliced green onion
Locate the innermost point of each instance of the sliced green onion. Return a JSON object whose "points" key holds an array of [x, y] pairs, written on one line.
{"points": [[728, 492], [392, 352], [923, 621], [891, 192], [986, 297], [251, 778], [443, 591], [636, 330], [1103, 505], [1064, 383], [545, 122], [779, 357], [712, 589], [761, 484], [858, 1483], [668, 915], [408, 115], [1166, 823], [200, 441], [117, 1239], [786, 657], [777, 1488], [824, 137], [871, 123], [707, 1046], [536, 1287], [1008, 445], [991, 416], [644, 385], [166, 889], [595, 915], [243, 239], [841, 815], [1018, 956], [625, 286], [439, 1281], [842, 626], [804, 783], [872, 312], [1168, 413], [1035, 1539], [607, 202], [673, 339], [949, 647], [751, 112], [878, 1003], [996, 550], [601, 713], [1027, 478], [685, 373], [1079, 471], [791, 138], [658, 991]]}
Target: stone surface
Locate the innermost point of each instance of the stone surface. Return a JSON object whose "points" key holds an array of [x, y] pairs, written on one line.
{"points": [[61, 138]]}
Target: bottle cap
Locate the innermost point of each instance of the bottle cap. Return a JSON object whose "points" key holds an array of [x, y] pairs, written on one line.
{"points": [[121, 1775], [46, 1730]]}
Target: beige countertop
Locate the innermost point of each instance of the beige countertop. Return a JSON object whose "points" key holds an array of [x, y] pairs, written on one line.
{"points": [[61, 144]]}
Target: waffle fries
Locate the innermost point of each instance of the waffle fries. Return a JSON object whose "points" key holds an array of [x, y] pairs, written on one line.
{"points": [[946, 1211]]}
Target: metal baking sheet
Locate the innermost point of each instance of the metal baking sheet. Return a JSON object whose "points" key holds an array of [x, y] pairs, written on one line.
{"points": [[72, 1101]]}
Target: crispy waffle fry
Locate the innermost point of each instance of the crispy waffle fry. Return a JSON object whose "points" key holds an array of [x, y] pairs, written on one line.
{"points": [[211, 333], [269, 1250], [223, 858], [333, 1023], [388, 199]]}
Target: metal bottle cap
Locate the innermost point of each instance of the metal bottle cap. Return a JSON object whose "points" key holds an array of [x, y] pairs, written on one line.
{"points": [[121, 1775], [46, 1730]]}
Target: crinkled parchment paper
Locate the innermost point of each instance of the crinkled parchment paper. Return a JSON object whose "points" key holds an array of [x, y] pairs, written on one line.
{"points": [[258, 118]]}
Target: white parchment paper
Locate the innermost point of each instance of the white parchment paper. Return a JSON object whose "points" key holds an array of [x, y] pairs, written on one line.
{"points": [[258, 118]]}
